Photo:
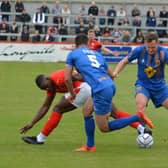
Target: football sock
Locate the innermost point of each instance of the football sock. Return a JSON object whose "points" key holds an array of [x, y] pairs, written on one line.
{"points": [[51, 123], [141, 128], [89, 130], [41, 137], [122, 122], [122, 114]]}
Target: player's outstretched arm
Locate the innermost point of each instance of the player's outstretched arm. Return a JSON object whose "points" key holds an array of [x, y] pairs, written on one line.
{"points": [[40, 114], [120, 66]]}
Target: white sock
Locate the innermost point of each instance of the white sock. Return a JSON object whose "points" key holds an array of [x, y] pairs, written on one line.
{"points": [[41, 137], [140, 128]]}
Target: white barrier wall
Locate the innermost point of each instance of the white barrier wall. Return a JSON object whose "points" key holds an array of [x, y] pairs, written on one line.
{"points": [[45, 52], [32, 52]]}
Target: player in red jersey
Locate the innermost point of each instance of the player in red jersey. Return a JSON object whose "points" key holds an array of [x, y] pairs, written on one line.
{"points": [[52, 85]]}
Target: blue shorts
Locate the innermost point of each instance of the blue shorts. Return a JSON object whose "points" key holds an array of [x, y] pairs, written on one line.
{"points": [[157, 96], [102, 100]]}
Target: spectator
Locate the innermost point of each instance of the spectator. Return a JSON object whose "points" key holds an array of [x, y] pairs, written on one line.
{"points": [[150, 12], [14, 30], [116, 34], [4, 28], [97, 31], [5, 7], [78, 19], [136, 22], [63, 31], [57, 9], [135, 11], [91, 25], [49, 37], [25, 34], [93, 9], [58, 20], [121, 14], [126, 37], [81, 28], [139, 38], [36, 37], [102, 14], [38, 20], [161, 32], [83, 10], [126, 22], [164, 15], [45, 9], [111, 13], [106, 32], [25, 17], [19, 7], [151, 21], [66, 11]]}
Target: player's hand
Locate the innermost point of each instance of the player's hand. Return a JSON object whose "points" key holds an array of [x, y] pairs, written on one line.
{"points": [[24, 129], [114, 75], [116, 53], [71, 97]]}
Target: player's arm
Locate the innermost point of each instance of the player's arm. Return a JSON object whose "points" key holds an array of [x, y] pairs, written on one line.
{"points": [[40, 114], [77, 77], [120, 66], [108, 51], [68, 81]]}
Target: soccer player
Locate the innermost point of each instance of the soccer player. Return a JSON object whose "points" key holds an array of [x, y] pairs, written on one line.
{"points": [[54, 84], [150, 83], [95, 44], [95, 71]]}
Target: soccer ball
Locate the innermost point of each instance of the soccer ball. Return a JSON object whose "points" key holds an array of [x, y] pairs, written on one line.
{"points": [[145, 140]]}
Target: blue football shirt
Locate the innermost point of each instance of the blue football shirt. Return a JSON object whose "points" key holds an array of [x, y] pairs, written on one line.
{"points": [[92, 66], [145, 60]]}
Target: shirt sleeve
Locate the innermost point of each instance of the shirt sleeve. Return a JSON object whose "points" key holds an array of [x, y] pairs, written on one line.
{"points": [[134, 54]]}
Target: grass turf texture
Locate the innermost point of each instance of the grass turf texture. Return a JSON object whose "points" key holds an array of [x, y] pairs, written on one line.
{"points": [[20, 100]]}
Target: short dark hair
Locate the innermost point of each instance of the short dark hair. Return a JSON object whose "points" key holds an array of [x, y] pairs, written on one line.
{"points": [[39, 79], [81, 39], [151, 36]]}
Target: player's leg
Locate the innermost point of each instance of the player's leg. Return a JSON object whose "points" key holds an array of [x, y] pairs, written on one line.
{"points": [[142, 97], [54, 119], [116, 113], [62, 107], [89, 126], [102, 106]]}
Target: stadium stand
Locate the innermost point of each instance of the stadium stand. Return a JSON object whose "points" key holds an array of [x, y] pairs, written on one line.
{"points": [[75, 6]]}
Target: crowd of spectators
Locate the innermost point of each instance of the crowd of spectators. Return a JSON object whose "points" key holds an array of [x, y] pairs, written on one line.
{"points": [[112, 25]]}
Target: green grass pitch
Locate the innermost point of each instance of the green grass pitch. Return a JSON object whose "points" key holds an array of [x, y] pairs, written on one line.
{"points": [[20, 100]]}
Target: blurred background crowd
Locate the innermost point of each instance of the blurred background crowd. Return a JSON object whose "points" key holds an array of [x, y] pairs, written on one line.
{"points": [[60, 22]]}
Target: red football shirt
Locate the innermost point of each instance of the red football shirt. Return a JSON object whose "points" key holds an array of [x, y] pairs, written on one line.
{"points": [[94, 44], [58, 78]]}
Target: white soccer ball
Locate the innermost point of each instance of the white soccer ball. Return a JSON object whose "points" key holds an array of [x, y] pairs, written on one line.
{"points": [[145, 140]]}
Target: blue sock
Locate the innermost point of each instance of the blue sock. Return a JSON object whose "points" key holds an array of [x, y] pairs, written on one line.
{"points": [[122, 122], [89, 130]]}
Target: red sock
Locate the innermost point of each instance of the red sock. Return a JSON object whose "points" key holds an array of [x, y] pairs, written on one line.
{"points": [[122, 114], [51, 123]]}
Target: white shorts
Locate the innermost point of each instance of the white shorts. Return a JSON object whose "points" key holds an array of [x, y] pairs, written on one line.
{"points": [[82, 95]]}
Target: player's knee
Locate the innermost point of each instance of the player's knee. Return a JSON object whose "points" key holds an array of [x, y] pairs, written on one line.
{"points": [[103, 129]]}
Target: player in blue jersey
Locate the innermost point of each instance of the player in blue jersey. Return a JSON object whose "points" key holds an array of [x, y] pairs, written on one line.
{"points": [[150, 83], [95, 71]]}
